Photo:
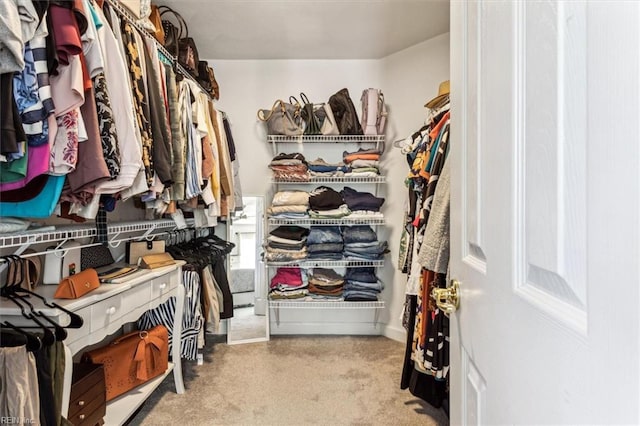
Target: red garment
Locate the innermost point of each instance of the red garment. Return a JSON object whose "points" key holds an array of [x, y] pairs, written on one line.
{"points": [[287, 276], [433, 134], [91, 168], [65, 32]]}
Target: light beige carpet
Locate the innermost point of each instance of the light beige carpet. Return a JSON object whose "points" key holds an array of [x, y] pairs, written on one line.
{"points": [[293, 380]]}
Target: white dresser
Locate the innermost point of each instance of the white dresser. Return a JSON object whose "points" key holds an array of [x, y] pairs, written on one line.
{"points": [[104, 311]]}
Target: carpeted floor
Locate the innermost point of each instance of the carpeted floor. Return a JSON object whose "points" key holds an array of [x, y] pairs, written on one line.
{"points": [[293, 380]]}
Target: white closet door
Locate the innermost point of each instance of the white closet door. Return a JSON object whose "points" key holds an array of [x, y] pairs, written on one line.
{"points": [[545, 200]]}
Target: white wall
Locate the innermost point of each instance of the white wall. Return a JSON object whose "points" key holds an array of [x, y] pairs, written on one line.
{"points": [[408, 78], [249, 85]]}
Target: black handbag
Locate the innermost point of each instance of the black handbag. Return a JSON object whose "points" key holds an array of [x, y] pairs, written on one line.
{"points": [[311, 117], [178, 42], [207, 79], [95, 257], [345, 113], [171, 32]]}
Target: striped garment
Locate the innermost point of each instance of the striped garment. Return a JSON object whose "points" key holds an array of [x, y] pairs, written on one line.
{"points": [[33, 92], [193, 179], [192, 320]]}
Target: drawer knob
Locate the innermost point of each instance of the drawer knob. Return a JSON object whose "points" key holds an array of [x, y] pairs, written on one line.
{"points": [[111, 310], [163, 286], [81, 403], [81, 416]]}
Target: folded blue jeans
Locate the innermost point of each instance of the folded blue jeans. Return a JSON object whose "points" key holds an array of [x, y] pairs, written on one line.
{"points": [[362, 256], [325, 256], [358, 234], [372, 247], [325, 248], [361, 274], [359, 285], [324, 234]]}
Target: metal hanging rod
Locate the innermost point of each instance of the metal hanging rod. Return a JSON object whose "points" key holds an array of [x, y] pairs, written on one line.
{"points": [[128, 16]]}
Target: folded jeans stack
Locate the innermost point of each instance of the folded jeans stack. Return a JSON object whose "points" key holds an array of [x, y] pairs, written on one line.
{"points": [[288, 283], [325, 284], [361, 243], [289, 167], [325, 242], [289, 204], [361, 284]]}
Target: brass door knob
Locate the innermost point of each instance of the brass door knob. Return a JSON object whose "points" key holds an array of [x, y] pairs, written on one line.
{"points": [[447, 299]]}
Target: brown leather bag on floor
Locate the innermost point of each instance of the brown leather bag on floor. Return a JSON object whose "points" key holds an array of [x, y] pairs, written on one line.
{"points": [[132, 359]]}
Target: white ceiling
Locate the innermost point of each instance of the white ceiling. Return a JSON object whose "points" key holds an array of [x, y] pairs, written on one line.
{"points": [[310, 29]]}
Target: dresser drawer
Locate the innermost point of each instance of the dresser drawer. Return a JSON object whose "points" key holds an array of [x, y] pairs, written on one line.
{"points": [[137, 296], [92, 415], [74, 334], [87, 402], [105, 312], [164, 284]]}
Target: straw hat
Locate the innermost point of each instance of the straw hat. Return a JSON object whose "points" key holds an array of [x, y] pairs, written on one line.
{"points": [[443, 92]]}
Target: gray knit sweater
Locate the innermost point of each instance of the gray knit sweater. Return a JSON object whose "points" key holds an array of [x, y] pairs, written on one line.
{"points": [[434, 252]]}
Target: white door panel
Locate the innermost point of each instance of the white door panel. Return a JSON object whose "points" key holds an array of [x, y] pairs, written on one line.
{"points": [[551, 141], [544, 205]]}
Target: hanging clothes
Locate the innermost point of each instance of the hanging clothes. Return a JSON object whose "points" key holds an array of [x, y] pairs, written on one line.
{"points": [[424, 256], [87, 96], [191, 318], [19, 393]]}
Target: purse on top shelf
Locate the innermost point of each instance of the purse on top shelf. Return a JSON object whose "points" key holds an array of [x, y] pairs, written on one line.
{"points": [[282, 119], [77, 285]]}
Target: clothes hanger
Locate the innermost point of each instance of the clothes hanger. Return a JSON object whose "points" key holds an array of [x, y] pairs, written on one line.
{"points": [[9, 291], [60, 332], [75, 320], [48, 338], [31, 341]]}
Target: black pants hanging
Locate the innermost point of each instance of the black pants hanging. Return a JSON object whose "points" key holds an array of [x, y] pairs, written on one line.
{"points": [[220, 274]]}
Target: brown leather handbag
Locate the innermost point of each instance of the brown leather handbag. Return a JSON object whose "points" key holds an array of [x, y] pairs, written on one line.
{"points": [[156, 20], [207, 79], [75, 286], [177, 40], [132, 359]]}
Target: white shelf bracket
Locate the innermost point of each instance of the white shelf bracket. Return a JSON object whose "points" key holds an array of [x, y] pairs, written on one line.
{"points": [[276, 310], [19, 251], [147, 235], [25, 246], [113, 243]]}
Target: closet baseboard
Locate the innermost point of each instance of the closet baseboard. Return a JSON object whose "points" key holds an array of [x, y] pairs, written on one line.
{"points": [[394, 333]]}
